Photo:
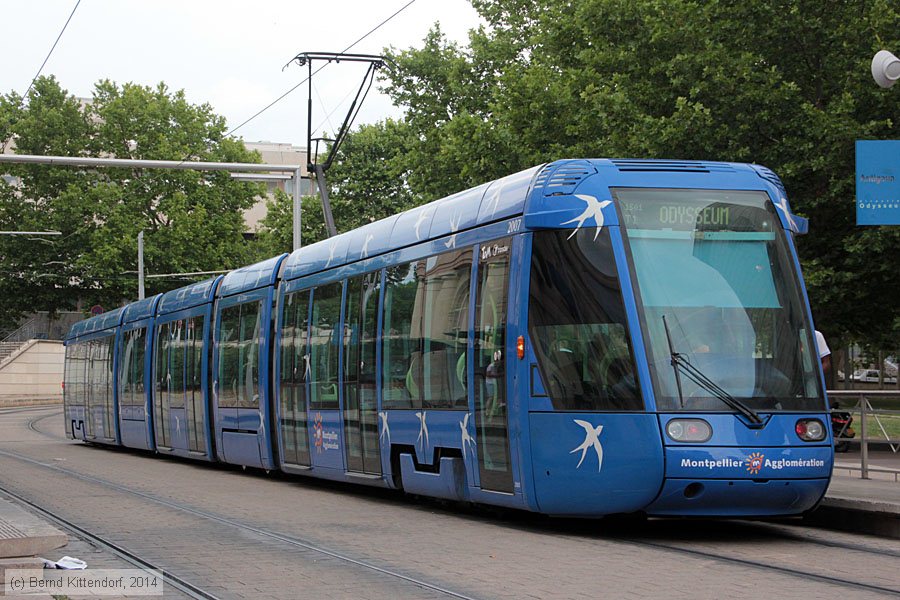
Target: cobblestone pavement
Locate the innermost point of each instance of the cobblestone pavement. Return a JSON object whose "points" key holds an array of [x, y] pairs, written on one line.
{"points": [[196, 520]]}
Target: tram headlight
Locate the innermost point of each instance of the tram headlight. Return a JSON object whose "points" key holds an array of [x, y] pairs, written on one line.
{"points": [[689, 430], [810, 430]]}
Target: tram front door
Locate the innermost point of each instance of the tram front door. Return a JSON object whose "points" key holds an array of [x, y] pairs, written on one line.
{"points": [[491, 415]]}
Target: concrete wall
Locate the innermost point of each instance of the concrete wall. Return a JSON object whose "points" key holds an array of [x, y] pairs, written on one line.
{"points": [[34, 371]]}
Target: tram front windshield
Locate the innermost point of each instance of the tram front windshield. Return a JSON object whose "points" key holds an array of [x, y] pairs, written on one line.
{"points": [[716, 286]]}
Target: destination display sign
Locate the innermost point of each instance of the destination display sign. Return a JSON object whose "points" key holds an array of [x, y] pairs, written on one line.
{"points": [[878, 182], [684, 210]]}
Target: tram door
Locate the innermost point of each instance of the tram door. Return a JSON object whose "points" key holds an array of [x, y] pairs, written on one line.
{"points": [[295, 370], [491, 415], [167, 397], [359, 343]]}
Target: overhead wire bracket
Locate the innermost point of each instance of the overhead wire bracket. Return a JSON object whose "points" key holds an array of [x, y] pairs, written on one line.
{"points": [[316, 168]]}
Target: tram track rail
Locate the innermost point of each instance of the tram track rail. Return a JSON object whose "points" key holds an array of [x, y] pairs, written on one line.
{"points": [[783, 530], [693, 552], [837, 581], [32, 425], [285, 539], [182, 585]]}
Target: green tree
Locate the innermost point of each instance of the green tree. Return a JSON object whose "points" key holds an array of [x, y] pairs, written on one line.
{"points": [[192, 220], [785, 84]]}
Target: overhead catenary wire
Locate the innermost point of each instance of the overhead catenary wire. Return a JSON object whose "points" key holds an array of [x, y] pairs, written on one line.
{"points": [[322, 104], [327, 118], [305, 79], [43, 64]]}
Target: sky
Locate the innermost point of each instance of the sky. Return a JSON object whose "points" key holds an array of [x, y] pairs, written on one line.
{"points": [[228, 53]]}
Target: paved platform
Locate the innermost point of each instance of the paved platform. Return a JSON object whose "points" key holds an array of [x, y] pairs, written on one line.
{"points": [[23, 534], [860, 505]]}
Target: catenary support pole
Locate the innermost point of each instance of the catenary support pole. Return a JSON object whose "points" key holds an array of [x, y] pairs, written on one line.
{"points": [[298, 178], [140, 241], [326, 204]]}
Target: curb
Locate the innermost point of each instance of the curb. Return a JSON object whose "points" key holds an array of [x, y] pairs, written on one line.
{"points": [[857, 516]]}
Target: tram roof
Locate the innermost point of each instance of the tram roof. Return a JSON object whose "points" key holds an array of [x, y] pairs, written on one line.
{"points": [[533, 192], [250, 278], [142, 309], [107, 320], [188, 296], [483, 204]]}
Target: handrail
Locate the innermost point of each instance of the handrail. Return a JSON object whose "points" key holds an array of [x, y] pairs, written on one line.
{"points": [[24, 328], [41, 326], [865, 409]]}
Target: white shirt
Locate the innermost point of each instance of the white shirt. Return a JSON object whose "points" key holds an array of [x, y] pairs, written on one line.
{"points": [[822, 345]]}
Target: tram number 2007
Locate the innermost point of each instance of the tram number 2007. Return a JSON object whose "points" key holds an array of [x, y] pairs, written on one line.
{"points": [[514, 226]]}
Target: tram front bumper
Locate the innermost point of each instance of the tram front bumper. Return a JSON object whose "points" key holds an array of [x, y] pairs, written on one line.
{"points": [[737, 498], [730, 481]]}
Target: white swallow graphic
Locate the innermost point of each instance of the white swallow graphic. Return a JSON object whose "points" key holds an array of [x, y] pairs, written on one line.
{"points": [[177, 424], [423, 430], [466, 437], [495, 200], [365, 249], [593, 210], [423, 214], [306, 367], [591, 438], [782, 204], [385, 430], [331, 250], [454, 227]]}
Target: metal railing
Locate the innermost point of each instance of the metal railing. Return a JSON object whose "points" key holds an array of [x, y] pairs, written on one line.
{"points": [[874, 424], [41, 327]]}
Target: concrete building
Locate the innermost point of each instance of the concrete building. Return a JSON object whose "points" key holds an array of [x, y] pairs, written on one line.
{"points": [[275, 153]]}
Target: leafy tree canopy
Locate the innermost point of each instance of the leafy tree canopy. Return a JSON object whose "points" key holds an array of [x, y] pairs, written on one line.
{"points": [[784, 84], [192, 221]]}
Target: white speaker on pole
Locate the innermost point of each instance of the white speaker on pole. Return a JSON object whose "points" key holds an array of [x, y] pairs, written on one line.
{"points": [[885, 68]]}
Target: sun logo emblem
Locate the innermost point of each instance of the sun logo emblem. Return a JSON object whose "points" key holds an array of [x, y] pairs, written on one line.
{"points": [[318, 433], [755, 463]]}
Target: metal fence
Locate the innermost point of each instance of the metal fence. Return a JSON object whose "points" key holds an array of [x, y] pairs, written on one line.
{"points": [[876, 421], [42, 327]]}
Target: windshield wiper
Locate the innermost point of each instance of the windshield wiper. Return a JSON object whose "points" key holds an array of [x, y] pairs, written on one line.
{"points": [[674, 360], [681, 363]]}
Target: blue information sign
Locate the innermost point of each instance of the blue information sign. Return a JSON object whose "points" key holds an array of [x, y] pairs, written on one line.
{"points": [[878, 182]]}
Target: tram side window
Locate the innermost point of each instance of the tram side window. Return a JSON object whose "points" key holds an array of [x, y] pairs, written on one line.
{"points": [[238, 374], [360, 323], [324, 346], [163, 381], [194, 349], [176, 363], [426, 315], [229, 331], [294, 353], [78, 374], [577, 323], [131, 367], [69, 375], [444, 322], [84, 373], [399, 302], [108, 354]]}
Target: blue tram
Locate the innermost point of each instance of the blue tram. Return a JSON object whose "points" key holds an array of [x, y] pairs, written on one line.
{"points": [[582, 338]]}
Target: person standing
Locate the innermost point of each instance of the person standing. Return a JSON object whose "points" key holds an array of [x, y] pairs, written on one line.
{"points": [[824, 355]]}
